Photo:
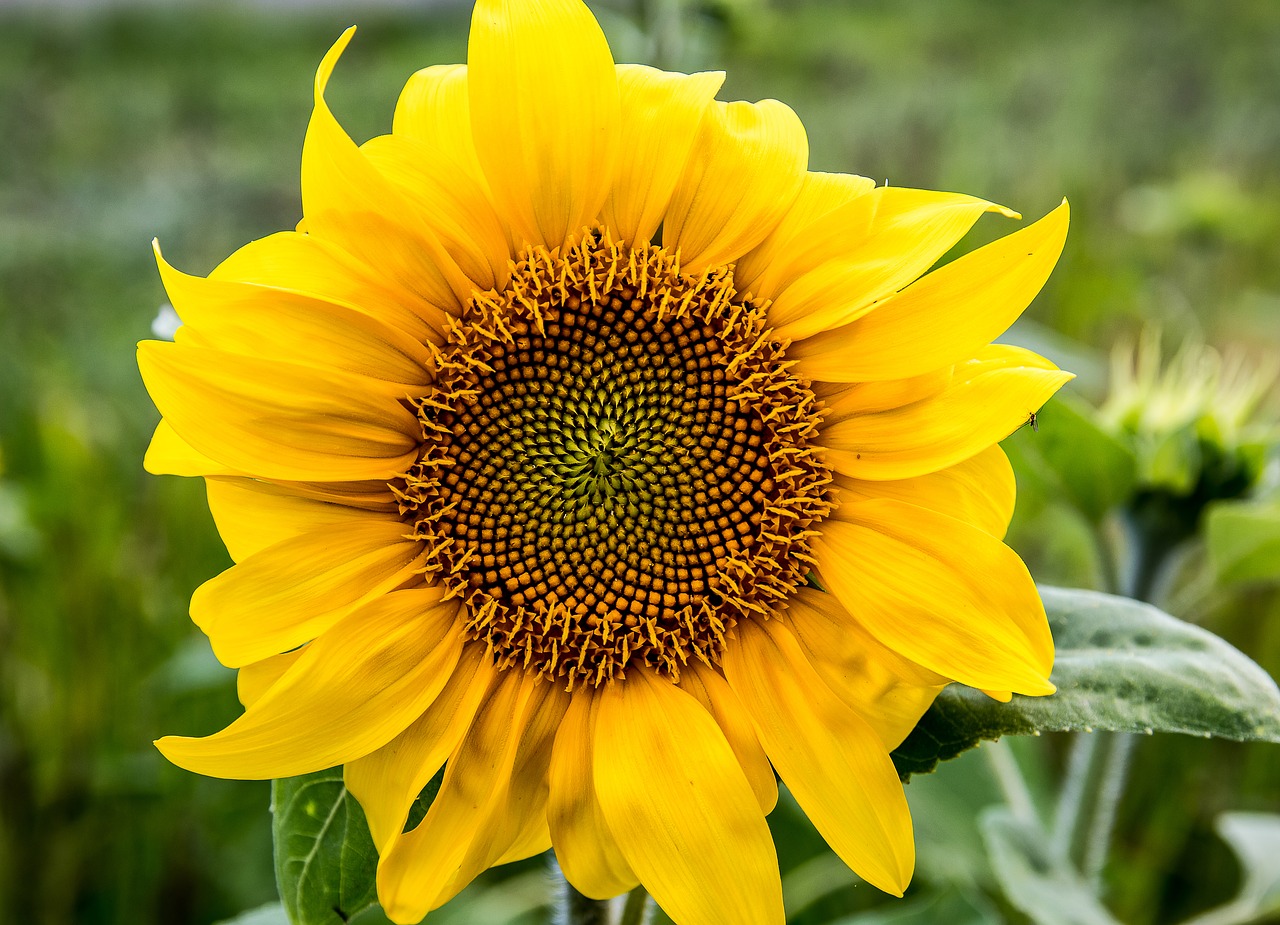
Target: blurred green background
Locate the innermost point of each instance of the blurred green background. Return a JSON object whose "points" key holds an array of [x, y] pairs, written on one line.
{"points": [[1160, 121]]}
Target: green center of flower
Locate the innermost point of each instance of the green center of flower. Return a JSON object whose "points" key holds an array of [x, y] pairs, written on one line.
{"points": [[616, 465]]}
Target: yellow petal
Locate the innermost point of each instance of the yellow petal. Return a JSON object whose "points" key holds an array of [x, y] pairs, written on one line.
{"points": [[253, 515], [416, 867], [940, 592], [300, 263], [661, 113], [255, 679], [987, 399], [845, 400], [888, 691], [291, 592], [944, 317], [785, 247], [347, 201], [169, 454], [351, 691], [707, 685], [368, 495], [833, 763], [247, 319], [979, 491], [544, 113], [862, 252], [588, 854], [745, 172], [387, 781], [434, 108], [518, 828], [462, 214], [279, 420], [680, 807]]}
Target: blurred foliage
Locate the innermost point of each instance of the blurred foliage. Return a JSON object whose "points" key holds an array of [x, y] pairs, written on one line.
{"points": [[1157, 119]]}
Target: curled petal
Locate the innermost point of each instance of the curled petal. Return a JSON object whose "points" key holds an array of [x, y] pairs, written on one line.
{"points": [[351, 691]]}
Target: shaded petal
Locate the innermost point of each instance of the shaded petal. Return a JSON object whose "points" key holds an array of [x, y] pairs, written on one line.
{"points": [[279, 420], [711, 690], [821, 194], [544, 114], [834, 764], [745, 172], [987, 399], [518, 828], [252, 515], [944, 317], [255, 679], [289, 261], [588, 854], [351, 691], [888, 691], [387, 781], [462, 214], [845, 400], [290, 593], [368, 495], [661, 113], [681, 808], [347, 201], [864, 251], [419, 865], [942, 593], [269, 324], [979, 491]]}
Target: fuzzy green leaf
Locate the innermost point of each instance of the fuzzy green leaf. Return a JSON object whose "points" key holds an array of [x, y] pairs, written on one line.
{"points": [[325, 859], [1255, 838], [1039, 885], [1243, 538], [1121, 665]]}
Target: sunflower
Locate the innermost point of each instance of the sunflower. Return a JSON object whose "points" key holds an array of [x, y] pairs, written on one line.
{"points": [[582, 443]]}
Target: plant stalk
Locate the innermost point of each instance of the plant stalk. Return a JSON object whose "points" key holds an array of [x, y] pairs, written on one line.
{"points": [[636, 910], [573, 908], [1012, 784]]}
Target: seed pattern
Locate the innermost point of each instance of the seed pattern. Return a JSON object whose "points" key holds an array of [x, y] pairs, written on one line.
{"points": [[617, 464]]}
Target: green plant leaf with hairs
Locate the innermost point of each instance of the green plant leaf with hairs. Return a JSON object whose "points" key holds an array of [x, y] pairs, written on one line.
{"points": [[1121, 665]]}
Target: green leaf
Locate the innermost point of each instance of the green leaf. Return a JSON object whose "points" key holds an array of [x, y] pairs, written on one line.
{"points": [[325, 859], [1036, 883], [1243, 538], [1093, 469], [1255, 838], [270, 914], [951, 907], [1121, 665]]}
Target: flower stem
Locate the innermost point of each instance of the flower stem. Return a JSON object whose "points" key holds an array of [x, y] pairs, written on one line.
{"points": [[1009, 776], [573, 908], [1115, 775], [636, 911], [1067, 814], [581, 910]]}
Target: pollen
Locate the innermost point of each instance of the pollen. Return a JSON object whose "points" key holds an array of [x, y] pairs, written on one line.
{"points": [[617, 464]]}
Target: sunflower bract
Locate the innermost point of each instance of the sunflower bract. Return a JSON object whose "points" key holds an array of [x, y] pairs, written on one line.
{"points": [[534, 443]]}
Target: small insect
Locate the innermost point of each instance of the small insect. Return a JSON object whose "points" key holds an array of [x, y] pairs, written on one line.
{"points": [[1031, 419]]}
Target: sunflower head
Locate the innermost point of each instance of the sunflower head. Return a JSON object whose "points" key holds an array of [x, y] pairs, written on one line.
{"points": [[584, 443]]}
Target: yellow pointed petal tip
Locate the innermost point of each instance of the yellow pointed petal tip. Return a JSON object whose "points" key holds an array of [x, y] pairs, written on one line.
{"points": [[329, 62]]}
